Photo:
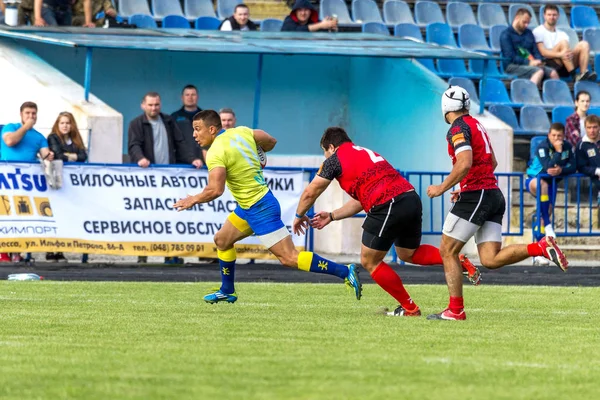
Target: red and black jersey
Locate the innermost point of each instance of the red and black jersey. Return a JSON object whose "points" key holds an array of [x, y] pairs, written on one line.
{"points": [[466, 133], [364, 175]]}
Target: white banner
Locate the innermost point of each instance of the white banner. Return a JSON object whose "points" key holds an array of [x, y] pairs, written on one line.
{"points": [[124, 210]]}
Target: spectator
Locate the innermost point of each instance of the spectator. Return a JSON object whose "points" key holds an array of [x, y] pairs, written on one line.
{"points": [[554, 46], [522, 57], [96, 7], [227, 118], [556, 158], [239, 21], [575, 128], [58, 12], [20, 142], [184, 116], [2, 11], [66, 144], [305, 18], [25, 12], [588, 151]]}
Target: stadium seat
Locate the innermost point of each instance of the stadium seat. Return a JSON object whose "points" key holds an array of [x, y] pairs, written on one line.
{"points": [[198, 8], [507, 115], [583, 17], [560, 113], [597, 63], [492, 71], [472, 37], [592, 36], [128, 8], [175, 21], [592, 88], [562, 22], [495, 32], [441, 34], [535, 119], [225, 7], [365, 11], [458, 14], [495, 92], [573, 37], [408, 30], [427, 12], [271, 25], [466, 84], [534, 144], [591, 110], [397, 12], [512, 11], [429, 64], [162, 8], [523, 91], [143, 21], [335, 7], [207, 23], [490, 14], [454, 67], [557, 93], [375, 27]]}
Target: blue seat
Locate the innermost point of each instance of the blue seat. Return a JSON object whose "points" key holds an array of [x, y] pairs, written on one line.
{"points": [[207, 23], [507, 115], [523, 91], [563, 21], [592, 36], [397, 12], [495, 92], [472, 37], [490, 14], [583, 17], [271, 25], [597, 63], [492, 71], [225, 7], [408, 30], [429, 64], [495, 32], [427, 12], [175, 21], [375, 27], [365, 11], [534, 119], [143, 21], [466, 84], [560, 113], [573, 37], [592, 88], [162, 8], [198, 8], [454, 67], [591, 110], [512, 11], [458, 14], [536, 141], [440, 33], [335, 7], [131, 7], [557, 93]]}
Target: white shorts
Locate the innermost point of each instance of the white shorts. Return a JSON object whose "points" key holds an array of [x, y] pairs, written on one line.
{"points": [[463, 230]]}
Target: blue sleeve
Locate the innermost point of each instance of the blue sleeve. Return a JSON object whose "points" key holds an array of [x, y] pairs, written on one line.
{"points": [[9, 128], [507, 49], [43, 142]]}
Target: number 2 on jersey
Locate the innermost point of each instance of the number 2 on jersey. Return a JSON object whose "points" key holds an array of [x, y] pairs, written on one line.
{"points": [[372, 155], [488, 148]]}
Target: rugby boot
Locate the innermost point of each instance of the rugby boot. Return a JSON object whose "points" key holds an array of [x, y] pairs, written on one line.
{"points": [[218, 296], [448, 315], [553, 253], [353, 281], [402, 312], [470, 270]]}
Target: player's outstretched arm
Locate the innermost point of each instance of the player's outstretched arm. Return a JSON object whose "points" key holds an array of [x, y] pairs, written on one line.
{"points": [[464, 160], [323, 218], [264, 140], [308, 198], [214, 189]]}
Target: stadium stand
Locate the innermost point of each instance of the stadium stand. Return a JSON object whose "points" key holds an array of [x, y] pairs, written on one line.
{"points": [[198, 8], [592, 36], [365, 11], [428, 12], [458, 14], [490, 14], [495, 32], [175, 21], [132, 7], [592, 88], [225, 8], [454, 68], [507, 115], [523, 91], [207, 23], [557, 93], [495, 92], [534, 119], [573, 38], [560, 113], [408, 30], [397, 12], [583, 17], [271, 25], [512, 11], [143, 21], [472, 37], [162, 8], [476, 67], [375, 27], [441, 34], [466, 84]]}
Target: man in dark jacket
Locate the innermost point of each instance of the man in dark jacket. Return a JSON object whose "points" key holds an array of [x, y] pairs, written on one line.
{"points": [[239, 21], [305, 18], [183, 117], [588, 150]]}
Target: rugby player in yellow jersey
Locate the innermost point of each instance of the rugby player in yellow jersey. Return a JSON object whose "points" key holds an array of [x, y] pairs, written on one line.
{"points": [[233, 160]]}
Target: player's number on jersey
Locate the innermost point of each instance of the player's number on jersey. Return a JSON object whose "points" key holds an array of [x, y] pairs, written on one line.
{"points": [[488, 148], [372, 155]]}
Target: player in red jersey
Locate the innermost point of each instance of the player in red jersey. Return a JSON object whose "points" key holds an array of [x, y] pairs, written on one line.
{"points": [[479, 205], [393, 212]]}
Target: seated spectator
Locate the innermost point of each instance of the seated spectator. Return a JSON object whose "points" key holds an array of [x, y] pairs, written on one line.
{"points": [[588, 152], [25, 12], [56, 12], [239, 21], [575, 124], [305, 18], [554, 46], [522, 57], [2, 12], [184, 117], [554, 157], [20, 142], [96, 7], [227, 118]]}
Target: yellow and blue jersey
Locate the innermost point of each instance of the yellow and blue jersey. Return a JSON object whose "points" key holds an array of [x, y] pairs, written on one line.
{"points": [[235, 150]]}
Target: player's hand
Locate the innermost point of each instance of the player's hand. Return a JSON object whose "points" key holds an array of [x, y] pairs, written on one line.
{"points": [[184, 204], [454, 195], [144, 163], [197, 163], [28, 124], [434, 191], [320, 220], [555, 171], [300, 225]]}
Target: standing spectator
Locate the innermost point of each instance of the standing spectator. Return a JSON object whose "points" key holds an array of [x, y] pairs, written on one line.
{"points": [[66, 144], [521, 56], [588, 151], [554, 46], [56, 12], [20, 142], [25, 12], [575, 124], [97, 7], [305, 18], [2, 11], [239, 21], [227, 118], [183, 117]]}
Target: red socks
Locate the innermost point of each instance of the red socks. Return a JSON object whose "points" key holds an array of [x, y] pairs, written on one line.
{"points": [[534, 250], [389, 281], [456, 305], [427, 254]]}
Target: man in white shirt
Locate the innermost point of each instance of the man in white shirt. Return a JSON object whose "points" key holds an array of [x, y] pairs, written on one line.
{"points": [[554, 46]]}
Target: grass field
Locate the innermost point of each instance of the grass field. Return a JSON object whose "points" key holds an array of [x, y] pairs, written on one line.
{"points": [[112, 340]]}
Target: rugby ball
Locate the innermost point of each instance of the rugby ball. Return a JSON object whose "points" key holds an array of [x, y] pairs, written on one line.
{"points": [[262, 156]]}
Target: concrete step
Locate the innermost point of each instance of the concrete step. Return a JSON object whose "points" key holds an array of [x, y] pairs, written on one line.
{"points": [[262, 9]]}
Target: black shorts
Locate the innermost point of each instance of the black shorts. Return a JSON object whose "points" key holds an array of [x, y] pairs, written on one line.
{"points": [[480, 206], [397, 221], [560, 68]]}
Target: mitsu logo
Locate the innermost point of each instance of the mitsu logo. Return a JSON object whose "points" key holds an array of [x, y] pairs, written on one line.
{"points": [[21, 181]]}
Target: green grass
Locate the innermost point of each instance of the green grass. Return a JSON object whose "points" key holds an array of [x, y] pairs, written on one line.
{"points": [[293, 341]]}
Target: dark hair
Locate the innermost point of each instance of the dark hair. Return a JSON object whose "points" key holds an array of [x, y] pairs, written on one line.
{"points": [[189, 87], [522, 11], [150, 94], [28, 104], [550, 7], [335, 136], [582, 92], [592, 119], [241, 5], [209, 117], [557, 126], [226, 111]]}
